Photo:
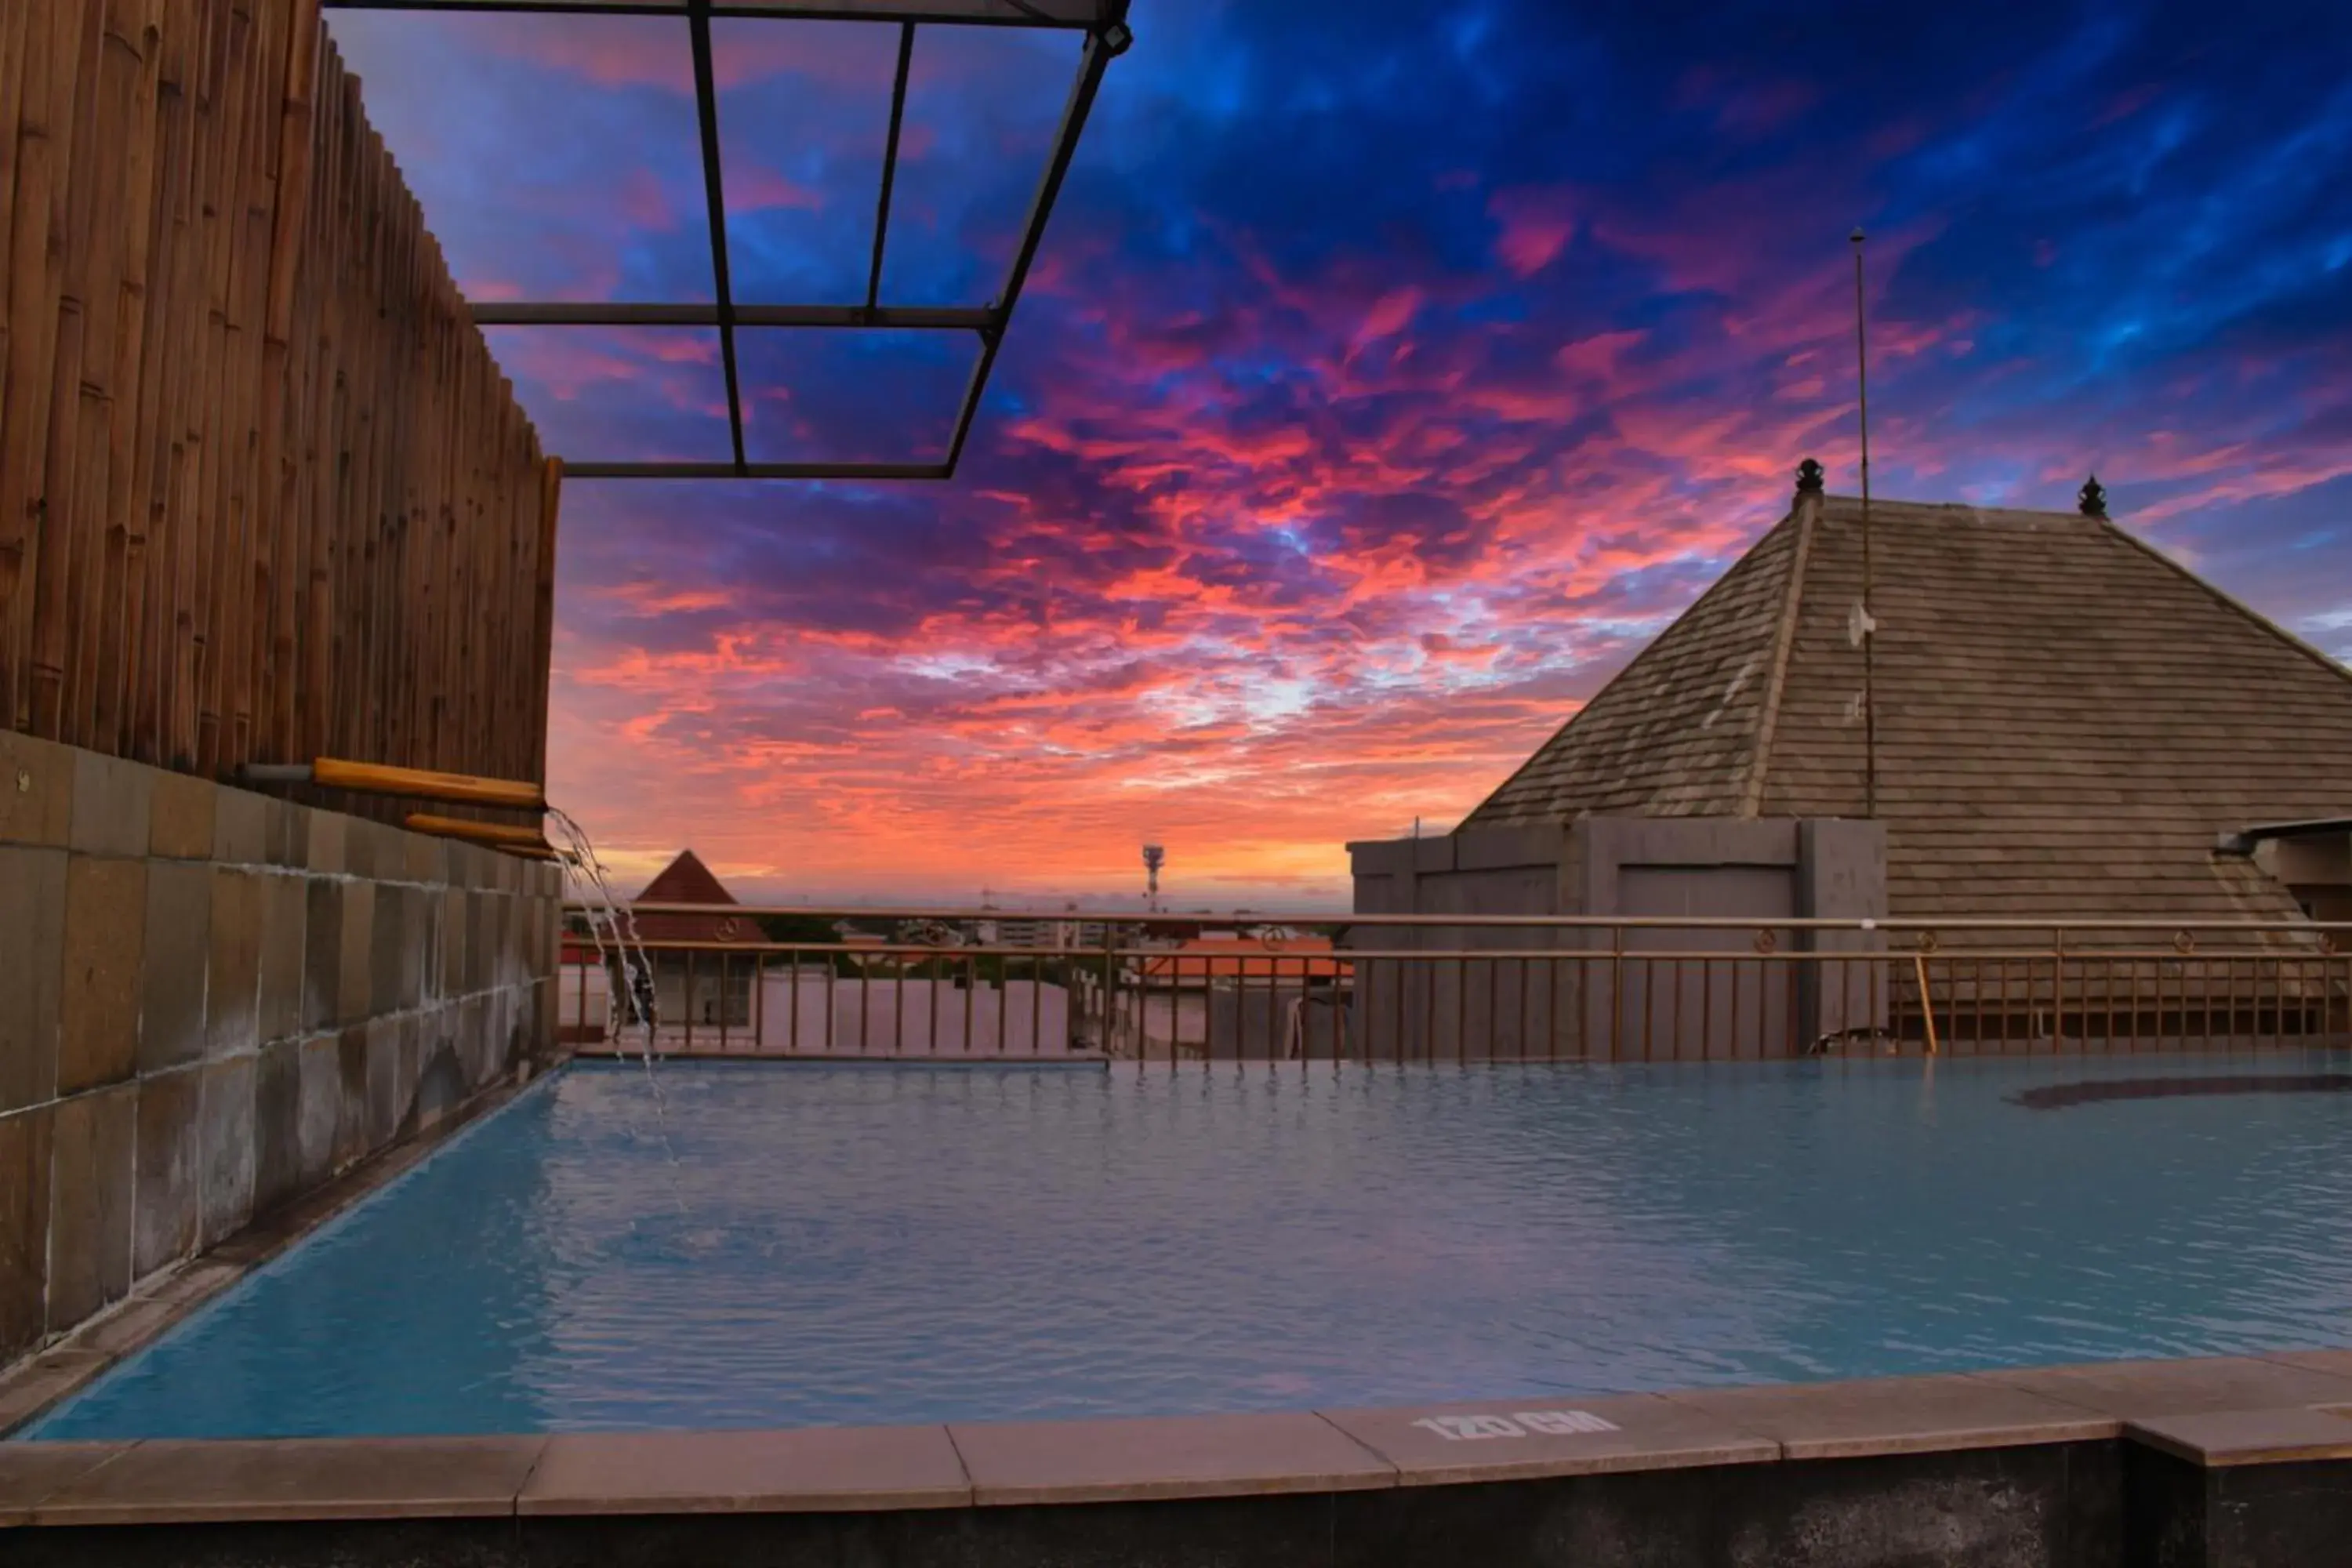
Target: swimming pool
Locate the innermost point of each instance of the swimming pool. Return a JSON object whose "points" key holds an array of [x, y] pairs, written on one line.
{"points": [[782, 1246]]}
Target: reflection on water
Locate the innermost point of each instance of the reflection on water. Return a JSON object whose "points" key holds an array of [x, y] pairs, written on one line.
{"points": [[881, 1245]]}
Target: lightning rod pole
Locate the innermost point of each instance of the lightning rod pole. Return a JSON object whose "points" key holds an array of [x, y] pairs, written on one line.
{"points": [[1869, 624]]}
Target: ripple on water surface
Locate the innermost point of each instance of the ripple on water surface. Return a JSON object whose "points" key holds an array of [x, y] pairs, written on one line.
{"points": [[860, 1245]]}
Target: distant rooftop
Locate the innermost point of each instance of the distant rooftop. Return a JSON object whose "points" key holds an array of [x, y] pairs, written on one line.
{"points": [[687, 880], [1256, 958]]}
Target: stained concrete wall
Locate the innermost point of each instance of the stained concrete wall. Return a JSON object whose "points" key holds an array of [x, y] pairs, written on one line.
{"points": [[1604, 1007], [2317, 872], [1473, 1009], [211, 1001]]}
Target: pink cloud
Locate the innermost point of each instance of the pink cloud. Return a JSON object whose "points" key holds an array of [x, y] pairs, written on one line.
{"points": [[1535, 226], [755, 187]]}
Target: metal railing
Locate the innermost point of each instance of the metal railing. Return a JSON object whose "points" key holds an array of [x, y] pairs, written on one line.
{"points": [[920, 983]]}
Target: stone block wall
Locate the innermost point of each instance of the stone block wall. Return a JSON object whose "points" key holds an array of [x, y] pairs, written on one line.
{"points": [[211, 1001]]}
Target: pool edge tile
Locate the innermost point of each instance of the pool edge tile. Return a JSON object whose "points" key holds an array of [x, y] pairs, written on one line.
{"points": [[1158, 1458], [2224, 1439], [41, 1381], [308, 1478], [2337, 1362], [32, 1473], [1863, 1418], [817, 1470], [2187, 1386], [1647, 1433]]}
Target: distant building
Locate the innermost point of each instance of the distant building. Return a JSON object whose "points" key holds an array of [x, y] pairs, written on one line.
{"points": [[1015, 930], [1228, 993], [703, 985], [2068, 724], [1067, 930], [865, 1001], [1222, 957]]}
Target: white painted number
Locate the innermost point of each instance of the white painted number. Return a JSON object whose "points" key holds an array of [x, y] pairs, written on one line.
{"points": [[1562, 1423], [1523, 1422]]}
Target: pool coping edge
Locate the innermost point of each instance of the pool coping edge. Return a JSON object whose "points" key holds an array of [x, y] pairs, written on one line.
{"points": [[2212, 1412]]}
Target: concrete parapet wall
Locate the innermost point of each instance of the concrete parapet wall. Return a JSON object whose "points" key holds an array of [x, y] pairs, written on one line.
{"points": [[213, 1001], [1608, 1006]]}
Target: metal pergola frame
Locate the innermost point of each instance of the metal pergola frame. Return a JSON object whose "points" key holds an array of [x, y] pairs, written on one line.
{"points": [[1104, 23]]}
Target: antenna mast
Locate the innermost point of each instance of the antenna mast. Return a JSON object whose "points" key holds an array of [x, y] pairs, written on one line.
{"points": [[1867, 624]]}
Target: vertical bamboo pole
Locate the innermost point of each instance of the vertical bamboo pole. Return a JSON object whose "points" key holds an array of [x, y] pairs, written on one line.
{"points": [[169, 307], [173, 619], [15, 28], [354, 522], [41, 177], [104, 159], [214, 535], [273, 640], [376, 737], [446, 432], [542, 665], [135, 25], [61, 518], [362, 524], [249, 568], [320, 457], [19, 38], [330, 499], [15, 37]]}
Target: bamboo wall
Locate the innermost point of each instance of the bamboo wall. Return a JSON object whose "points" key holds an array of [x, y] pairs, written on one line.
{"points": [[263, 493]]}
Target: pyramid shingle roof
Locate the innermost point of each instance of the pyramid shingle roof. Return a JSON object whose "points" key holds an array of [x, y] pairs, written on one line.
{"points": [[2066, 718], [687, 880]]}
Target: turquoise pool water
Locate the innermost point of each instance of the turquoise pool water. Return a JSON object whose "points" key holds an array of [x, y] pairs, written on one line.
{"points": [[791, 1245]]}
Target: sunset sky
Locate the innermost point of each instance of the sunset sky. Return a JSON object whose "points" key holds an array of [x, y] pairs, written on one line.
{"points": [[1391, 371]]}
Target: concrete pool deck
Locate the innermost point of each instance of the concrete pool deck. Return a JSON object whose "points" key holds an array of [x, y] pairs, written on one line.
{"points": [[2233, 1461]]}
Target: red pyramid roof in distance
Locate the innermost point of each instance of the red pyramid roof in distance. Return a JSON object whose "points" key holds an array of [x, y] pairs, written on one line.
{"points": [[687, 880]]}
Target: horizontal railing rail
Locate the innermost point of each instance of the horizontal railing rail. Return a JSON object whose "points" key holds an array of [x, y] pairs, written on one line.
{"points": [[932, 983], [1224, 920]]}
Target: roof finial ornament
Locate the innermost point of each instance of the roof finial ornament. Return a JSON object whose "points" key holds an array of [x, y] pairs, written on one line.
{"points": [[2093, 498], [1808, 477]]}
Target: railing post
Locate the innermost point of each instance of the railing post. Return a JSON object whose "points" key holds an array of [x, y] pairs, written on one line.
{"points": [[1110, 982], [2057, 989], [1617, 991]]}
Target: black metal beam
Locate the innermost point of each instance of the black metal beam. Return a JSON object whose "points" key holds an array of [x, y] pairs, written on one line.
{"points": [[572, 470], [1067, 15], [1101, 48], [596, 313], [714, 192], [890, 162], [1105, 22]]}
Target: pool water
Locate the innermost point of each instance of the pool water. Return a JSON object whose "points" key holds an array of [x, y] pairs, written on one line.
{"points": [[779, 1246]]}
